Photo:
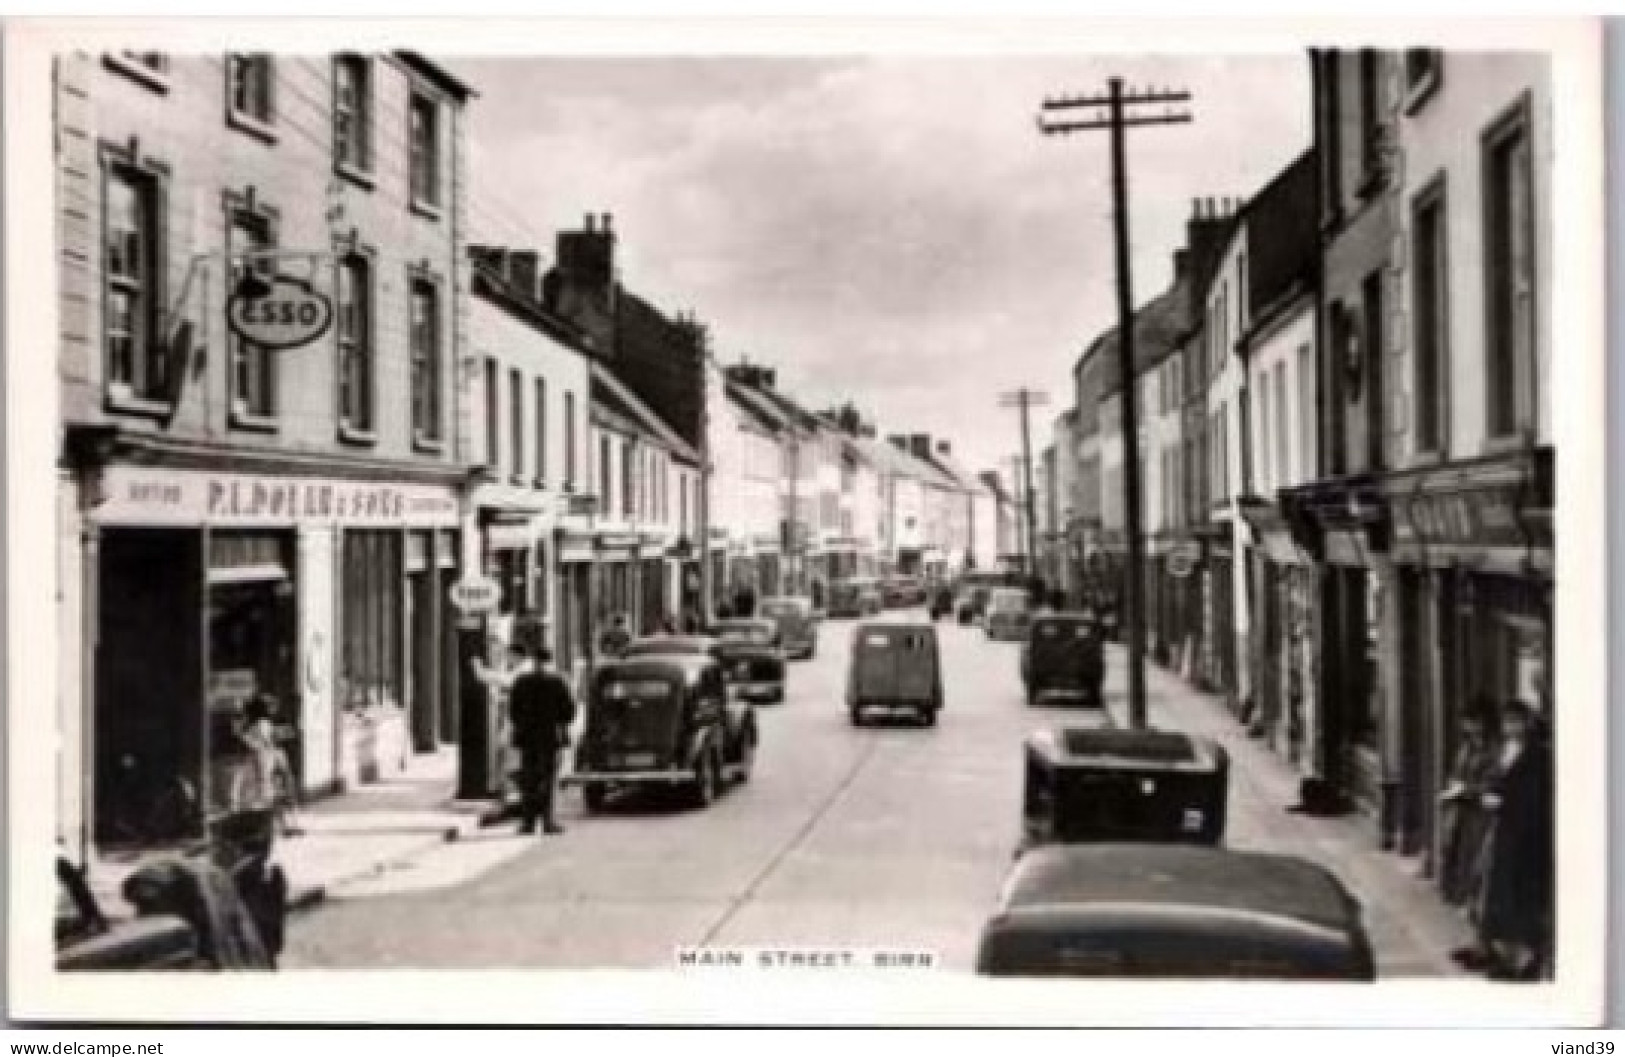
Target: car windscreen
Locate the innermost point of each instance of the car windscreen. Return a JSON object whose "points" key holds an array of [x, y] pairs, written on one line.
{"points": [[781, 609], [637, 690], [749, 634], [1008, 601]]}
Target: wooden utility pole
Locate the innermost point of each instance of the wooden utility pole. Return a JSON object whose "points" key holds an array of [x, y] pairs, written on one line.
{"points": [[1024, 399], [1109, 112]]}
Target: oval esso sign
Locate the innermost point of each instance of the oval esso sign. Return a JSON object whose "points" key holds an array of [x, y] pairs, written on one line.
{"points": [[286, 315], [475, 595]]}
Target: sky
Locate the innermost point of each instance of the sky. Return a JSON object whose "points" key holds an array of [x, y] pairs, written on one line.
{"points": [[892, 229]]}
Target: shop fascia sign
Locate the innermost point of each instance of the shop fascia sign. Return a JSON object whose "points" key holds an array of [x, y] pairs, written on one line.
{"points": [[137, 495]]}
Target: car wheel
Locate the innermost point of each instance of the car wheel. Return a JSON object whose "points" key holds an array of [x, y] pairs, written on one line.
{"points": [[929, 717], [594, 797], [704, 789], [857, 716]]}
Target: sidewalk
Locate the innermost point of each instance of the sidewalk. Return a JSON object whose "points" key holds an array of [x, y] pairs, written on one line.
{"points": [[359, 833], [1411, 927]]}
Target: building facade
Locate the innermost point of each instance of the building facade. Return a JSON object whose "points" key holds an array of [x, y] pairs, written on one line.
{"points": [[239, 521]]}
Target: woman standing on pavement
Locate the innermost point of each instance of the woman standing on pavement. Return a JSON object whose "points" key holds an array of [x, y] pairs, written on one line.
{"points": [[1466, 822]]}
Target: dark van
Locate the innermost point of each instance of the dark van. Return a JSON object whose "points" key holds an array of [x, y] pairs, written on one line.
{"points": [[894, 668], [1063, 658]]}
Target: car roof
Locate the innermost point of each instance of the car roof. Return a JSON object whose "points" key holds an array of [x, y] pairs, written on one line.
{"points": [[1128, 749], [1080, 876], [688, 665]]}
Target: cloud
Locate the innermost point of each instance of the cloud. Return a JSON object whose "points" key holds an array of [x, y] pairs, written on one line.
{"points": [[893, 230]]}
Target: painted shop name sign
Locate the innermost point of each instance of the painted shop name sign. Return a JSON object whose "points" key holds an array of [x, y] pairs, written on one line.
{"points": [[182, 497], [1488, 516]]}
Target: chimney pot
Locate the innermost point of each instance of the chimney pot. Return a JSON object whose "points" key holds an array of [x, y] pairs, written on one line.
{"points": [[587, 224], [606, 222]]}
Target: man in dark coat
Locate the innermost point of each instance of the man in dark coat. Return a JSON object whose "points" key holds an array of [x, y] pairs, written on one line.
{"points": [[1516, 906], [540, 711]]}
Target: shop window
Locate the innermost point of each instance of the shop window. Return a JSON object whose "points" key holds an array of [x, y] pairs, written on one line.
{"points": [[370, 675], [132, 288], [1509, 271]]}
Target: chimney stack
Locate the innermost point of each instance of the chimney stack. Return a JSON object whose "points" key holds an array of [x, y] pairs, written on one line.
{"points": [[920, 445], [897, 440], [943, 449], [586, 258], [524, 273]]}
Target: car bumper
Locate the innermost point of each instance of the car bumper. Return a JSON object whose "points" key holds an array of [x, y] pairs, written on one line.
{"points": [[759, 691], [664, 776]]}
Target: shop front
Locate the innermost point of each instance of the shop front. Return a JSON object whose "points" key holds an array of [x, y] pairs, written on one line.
{"points": [[1473, 551], [318, 597], [1282, 639]]}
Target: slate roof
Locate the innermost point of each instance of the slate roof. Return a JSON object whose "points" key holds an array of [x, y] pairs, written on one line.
{"points": [[620, 407]]}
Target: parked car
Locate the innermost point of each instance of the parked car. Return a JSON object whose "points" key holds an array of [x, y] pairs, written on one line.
{"points": [[1103, 783], [1009, 613], [1063, 658], [894, 668], [663, 721], [1173, 911], [857, 597], [87, 940], [751, 655], [902, 592], [797, 625]]}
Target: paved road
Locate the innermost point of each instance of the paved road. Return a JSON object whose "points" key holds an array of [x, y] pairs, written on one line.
{"points": [[866, 837]]}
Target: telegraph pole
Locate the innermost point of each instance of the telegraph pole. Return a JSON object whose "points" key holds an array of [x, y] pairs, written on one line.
{"points": [[1109, 112], [1024, 399]]}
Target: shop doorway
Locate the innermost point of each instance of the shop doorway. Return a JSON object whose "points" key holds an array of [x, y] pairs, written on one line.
{"points": [[148, 744]]}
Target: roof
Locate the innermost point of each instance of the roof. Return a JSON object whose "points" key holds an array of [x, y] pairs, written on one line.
{"points": [[1123, 749], [436, 74], [1180, 875], [763, 411], [1282, 234], [890, 458], [627, 411], [1159, 328]]}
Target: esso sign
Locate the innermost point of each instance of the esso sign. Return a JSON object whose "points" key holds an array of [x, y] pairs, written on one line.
{"points": [[474, 596], [287, 315]]}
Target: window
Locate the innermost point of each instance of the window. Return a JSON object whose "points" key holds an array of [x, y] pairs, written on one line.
{"points": [[1331, 121], [1431, 318], [137, 362], [1264, 434], [352, 114], [355, 344], [493, 435], [1283, 473], [628, 480], [569, 440], [1370, 118], [249, 80], [1424, 71], [370, 661], [516, 421], [541, 431], [424, 337], [150, 68], [1510, 273], [682, 503], [253, 368], [1374, 356], [604, 496], [1307, 418], [424, 138]]}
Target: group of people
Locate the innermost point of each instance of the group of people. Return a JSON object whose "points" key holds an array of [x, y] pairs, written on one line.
{"points": [[1497, 861]]}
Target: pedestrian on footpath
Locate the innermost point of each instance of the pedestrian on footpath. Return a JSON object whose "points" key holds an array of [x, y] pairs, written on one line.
{"points": [[1514, 908], [1466, 823], [540, 711], [512, 663]]}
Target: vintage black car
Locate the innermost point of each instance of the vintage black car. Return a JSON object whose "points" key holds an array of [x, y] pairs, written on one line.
{"points": [[1111, 784], [752, 658], [797, 624], [1171, 911], [1063, 658], [87, 940], [894, 668], [663, 721]]}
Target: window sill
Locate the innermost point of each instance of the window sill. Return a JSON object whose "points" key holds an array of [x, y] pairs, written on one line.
{"points": [[540, 484], [361, 437], [358, 176], [156, 80], [426, 209], [1506, 443], [121, 400], [250, 421], [428, 445], [253, 126]]}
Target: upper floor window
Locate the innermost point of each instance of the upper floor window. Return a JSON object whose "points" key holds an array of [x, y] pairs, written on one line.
{"points": [[603, 475], [516, 421], [1283, 472], [569, 439], [137, 359], [355, 342], [253, 368], [249, 81], [151, 68], [352, 113], [424, 338], [1424, 71], [1430, 281], [1509, 272], [1370, 114], [492, 429], [541, 430], [629, 479], [424, 143]]}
